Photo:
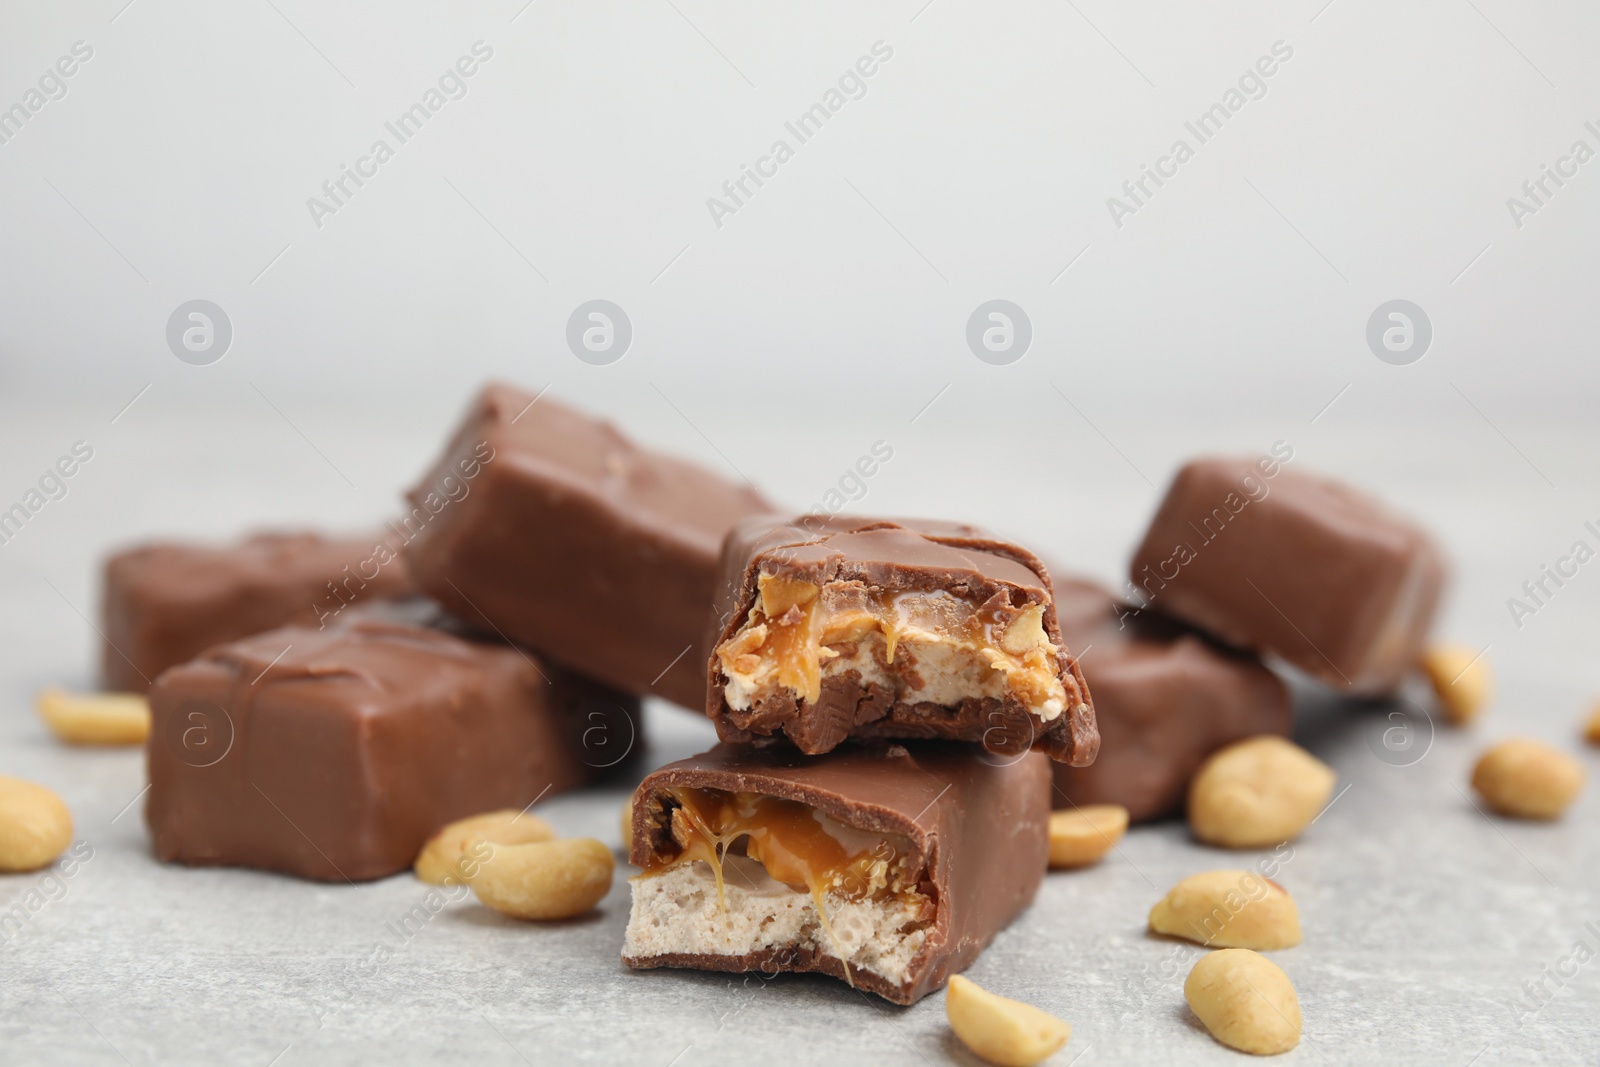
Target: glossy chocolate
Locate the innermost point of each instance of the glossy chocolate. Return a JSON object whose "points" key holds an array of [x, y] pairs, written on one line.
{"points": [[333, 754], [571, 539], [977, 826], [1296, 565], [890, 557], [1166, 697], [164, 604]]}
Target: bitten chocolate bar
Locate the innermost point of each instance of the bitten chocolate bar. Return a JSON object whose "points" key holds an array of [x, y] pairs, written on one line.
{"points": [[888, 866], [333, 754], [577, 542], [1165, 698], [164, 604], [1303, 567], [852, 627]]}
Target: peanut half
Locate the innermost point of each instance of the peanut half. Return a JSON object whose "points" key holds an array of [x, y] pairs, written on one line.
{"points": [[545, 879], [442, 859], [1460, 679], [1527, 779], [95, 718], [35, 825], [1083, 835], [1229, 909], [1257, 792], [1001, 1031], [1245, 1001]]}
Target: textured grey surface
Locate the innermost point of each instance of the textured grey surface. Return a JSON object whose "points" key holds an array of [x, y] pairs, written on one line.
{"points": [[1423, 918]]}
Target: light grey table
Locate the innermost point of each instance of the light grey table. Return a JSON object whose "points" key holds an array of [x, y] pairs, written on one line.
{"points": [[1423, 918]]}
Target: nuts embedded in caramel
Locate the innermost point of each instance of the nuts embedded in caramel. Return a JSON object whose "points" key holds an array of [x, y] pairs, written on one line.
{"points": [[925, 645]]}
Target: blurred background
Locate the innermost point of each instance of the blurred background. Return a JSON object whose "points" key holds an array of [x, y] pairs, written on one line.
{"points": [[937, 156]]}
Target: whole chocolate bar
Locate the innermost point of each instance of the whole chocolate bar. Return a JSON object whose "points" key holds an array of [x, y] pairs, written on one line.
{"points": [[1165, 698], [333, 754], [1294, 564], [838, 627], [164, 604], [569, 538], [888, 866]]}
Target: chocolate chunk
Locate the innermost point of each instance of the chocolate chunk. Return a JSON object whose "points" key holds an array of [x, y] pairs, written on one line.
{"points": [[839, 627], [333, 754], [1165, 698], [888, 866], [567, 537], [164, 604], [1297, 565]]}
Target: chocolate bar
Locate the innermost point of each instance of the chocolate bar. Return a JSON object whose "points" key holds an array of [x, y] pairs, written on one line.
{"points": [[1300, 566], [888, 866], [333, 754], [164, 604], [1165, 698], [840, 627], [571, 539]]}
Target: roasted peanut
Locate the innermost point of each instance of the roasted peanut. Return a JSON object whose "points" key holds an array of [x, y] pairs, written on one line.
{"points": [[546, 879], [1527, 779], [1591, 728], [1460, 679], [95, 718], [441, 860], [1245, 1000], [1083, 835], [1229, 909], [1257, 792], [1001, 1031], [35, 825]]}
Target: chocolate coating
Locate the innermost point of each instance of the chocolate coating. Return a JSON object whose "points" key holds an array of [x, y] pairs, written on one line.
{"points": [[333, 754], [978, 829], [1301, 566], [890, 556], [1166, 697], [575, 541], [164, 604]]}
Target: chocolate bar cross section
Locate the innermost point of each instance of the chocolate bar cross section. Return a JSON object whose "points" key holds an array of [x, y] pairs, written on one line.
{"points": [[837, 627], [888, 866], [333, 754]]}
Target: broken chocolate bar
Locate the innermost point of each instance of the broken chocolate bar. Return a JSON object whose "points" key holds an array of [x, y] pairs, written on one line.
{"points": [[1165, 698], [333, 754], [575, 541], [1301, 566], [852, 627], [888, 866], [164, 604]]}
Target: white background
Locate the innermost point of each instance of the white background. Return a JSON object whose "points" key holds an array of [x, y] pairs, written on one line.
{"points": [[828, 313]]}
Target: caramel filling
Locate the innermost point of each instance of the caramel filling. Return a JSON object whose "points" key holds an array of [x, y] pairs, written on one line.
{"points": [[926, 646], [804, 848]]}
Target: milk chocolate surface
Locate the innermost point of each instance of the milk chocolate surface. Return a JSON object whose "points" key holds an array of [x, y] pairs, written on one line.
{"points": [[837, 627], [1294, 564], [164, 604], [553, 529], [967, 832], [1166, 697], [333, 754]]}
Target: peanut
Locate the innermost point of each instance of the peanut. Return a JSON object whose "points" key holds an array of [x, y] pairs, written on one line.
{"points": [[1245, 1001], [1527, 779], [1460, 679], [95, 718], [1257, 792], [1229, 909], [35, 825], [1083, 835], [1001, 1031], [545, 879], [1591, 728], [440, 861]]}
